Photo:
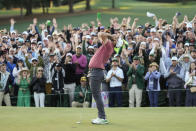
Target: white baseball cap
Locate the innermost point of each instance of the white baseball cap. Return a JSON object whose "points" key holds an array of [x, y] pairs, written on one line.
{"points": [[153, 30], [45, 39], [156, 39], [160, 31], [34, 59], [186, 44], [13, 32], [174, 58], [143, 43], [4, 36], [46, 50], [88, 36], [68, 54], [25, 33], [90, 47], [79, 46], [186, 56], [93, 33], [189, 25]]}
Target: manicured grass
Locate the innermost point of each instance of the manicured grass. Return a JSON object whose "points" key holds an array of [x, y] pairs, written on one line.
{"points": [[121, 119], [125, 8]]}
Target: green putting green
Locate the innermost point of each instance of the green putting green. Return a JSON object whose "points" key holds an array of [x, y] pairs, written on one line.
{"points": [[121, 119]]}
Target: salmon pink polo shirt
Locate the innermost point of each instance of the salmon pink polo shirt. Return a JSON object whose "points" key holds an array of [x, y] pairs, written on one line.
{"points": [[102, 55]]}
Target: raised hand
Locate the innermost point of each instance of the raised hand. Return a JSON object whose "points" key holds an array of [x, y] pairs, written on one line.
{"points": [[54, 22], [147, 24], [128, 20], [69, 27], [12, 21], [64, 27], [150, 69], [136, 20], [34, 21], [92, 23], [154, 18], [111, 21]]}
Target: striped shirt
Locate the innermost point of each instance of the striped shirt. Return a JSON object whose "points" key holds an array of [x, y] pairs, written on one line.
{"points": [[102, 55]]}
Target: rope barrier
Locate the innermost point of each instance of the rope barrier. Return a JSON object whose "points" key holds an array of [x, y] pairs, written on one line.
{"points": [[126, 91]]}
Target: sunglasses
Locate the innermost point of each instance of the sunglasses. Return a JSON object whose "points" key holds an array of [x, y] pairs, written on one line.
{"points": [[40, 70]]}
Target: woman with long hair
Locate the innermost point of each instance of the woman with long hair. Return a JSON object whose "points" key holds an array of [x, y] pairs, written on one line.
{"points": [[16, 71], [38, 86], [24, 91], [190, 79]]}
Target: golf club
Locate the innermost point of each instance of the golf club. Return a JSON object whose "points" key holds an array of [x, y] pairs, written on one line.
{"points": [[79, 122]]}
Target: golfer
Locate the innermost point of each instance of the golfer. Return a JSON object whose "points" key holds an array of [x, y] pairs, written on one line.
{"points": [[96, 67]]}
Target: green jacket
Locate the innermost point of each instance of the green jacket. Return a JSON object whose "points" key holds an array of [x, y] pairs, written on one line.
{"points": [[139, 76], [79, 98]]}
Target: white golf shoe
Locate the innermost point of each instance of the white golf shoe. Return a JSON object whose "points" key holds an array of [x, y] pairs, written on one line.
{"points": [[99, 121]]}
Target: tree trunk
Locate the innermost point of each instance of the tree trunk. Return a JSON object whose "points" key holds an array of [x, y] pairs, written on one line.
{"points": [[21, 5], [42, 4], [51, 3], [21, 8], [43, 9], [113, 4], [183, 2], [70, 2], [47, 10], [28, 7], [88, 7]]}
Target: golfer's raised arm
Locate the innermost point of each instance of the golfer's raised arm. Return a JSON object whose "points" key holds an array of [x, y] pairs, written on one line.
{"points": [[104, 37]]}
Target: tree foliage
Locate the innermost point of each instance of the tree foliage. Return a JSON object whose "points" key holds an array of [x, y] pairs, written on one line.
{"points": [[44, 4]]}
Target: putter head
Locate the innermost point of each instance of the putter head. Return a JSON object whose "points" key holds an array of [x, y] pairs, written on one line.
{"points": [[78, 122]]}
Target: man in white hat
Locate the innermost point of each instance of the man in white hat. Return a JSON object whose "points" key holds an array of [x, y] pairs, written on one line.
{"points": [[153, 32], [175, 81], [115, 77], [81, 63], [49, 61], [32, 66], [185, 61]]}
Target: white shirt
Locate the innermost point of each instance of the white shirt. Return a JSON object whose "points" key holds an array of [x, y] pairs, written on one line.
{"points": [[49, 74], [187, 77], [114, 82], [16, 73]]}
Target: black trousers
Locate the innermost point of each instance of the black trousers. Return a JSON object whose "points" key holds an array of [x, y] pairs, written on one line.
{"points": [[57, 100], [190, 98], [115, 95], [174, 97]]}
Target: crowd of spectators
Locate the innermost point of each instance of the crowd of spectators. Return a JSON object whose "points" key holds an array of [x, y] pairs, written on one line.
{"points": [[47, 66]]}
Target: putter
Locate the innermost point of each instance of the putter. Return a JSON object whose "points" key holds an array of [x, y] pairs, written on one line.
{"points": [[78, 122]]}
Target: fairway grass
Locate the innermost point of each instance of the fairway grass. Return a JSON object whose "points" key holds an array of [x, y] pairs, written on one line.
{"points": [[121, 119], [124, 8]]}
